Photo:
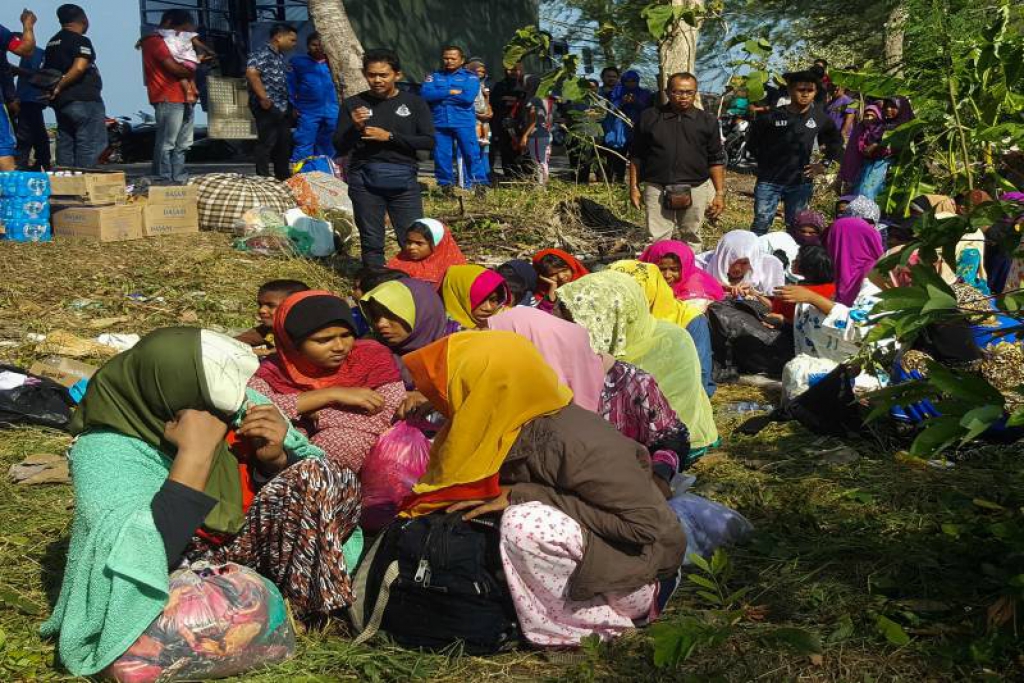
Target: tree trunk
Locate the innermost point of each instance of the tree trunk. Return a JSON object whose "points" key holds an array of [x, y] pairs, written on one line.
{"points": [[677, 50], [344, 51], [895, 29]]}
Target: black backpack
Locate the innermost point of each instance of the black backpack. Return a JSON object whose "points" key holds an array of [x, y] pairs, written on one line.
{"points": [[433, 581]]}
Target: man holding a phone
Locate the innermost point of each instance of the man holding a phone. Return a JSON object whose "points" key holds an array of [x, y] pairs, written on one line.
{"points": [[678, 158]]}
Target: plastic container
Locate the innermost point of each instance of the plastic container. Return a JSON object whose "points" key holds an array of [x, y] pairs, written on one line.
{"points": [[745, 407], [27, 231]]}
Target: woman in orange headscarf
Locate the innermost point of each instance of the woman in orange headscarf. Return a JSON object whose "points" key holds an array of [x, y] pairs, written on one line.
{"points": [[341, 392], [555, 268], [588, 542]]}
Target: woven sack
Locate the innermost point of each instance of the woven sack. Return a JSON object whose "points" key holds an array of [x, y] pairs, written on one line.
{"points": [[224, 197]]}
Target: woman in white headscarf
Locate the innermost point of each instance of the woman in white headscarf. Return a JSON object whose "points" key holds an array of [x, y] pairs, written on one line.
{"points": [[740, 264]]}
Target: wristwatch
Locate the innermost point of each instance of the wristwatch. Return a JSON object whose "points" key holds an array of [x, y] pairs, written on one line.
{"points": [[391, 137]]}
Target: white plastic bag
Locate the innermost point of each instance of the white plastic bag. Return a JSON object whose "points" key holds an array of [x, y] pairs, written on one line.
{"points": [[801, 373]]}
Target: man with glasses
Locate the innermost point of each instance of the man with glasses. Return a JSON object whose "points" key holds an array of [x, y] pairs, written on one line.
{"points": [[677, 154], [782, 140]]}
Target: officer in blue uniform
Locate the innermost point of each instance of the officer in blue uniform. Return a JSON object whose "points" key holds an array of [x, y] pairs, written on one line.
{"points": [[451, 93], [312, 93]]}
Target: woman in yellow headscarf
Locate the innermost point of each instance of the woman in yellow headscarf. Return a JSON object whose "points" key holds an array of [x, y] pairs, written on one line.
{"points": [[613, 309], [665, 306], [472, 294], [586, 536]]}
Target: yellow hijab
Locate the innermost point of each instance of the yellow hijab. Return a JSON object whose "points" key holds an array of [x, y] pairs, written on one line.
{"points": [[488, 384], [466, 287], [662, 300]]}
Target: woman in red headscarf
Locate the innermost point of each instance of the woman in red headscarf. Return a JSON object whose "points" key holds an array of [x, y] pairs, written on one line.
{"points": [[341, 392], [555, 268]]}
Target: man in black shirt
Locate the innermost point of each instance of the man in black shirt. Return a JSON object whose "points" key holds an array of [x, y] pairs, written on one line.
{"points": [[677, 149], [508, 97], [383, 128], [782, 140], [81, 117]]}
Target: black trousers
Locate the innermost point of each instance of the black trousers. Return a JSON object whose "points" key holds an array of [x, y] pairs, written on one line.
{"points": [[273, 143], [32, 136], [401, 202]]}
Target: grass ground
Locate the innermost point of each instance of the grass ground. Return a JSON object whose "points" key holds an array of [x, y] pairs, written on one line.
{"points": [[900, 569]]}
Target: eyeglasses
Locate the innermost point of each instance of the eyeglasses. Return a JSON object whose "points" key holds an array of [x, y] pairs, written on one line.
{"points": [[682, 93]]}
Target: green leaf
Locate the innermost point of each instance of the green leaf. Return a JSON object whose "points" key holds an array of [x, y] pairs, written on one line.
{"points": [[938, 300], [1017, 418], [988, 504], [702, 581], [862, 497], [738, 595], [700, 562], [892, 631], [710, 597], [797, 639], [658, 18], [756, 81], [938, 433], [719, 562], [757, 48], [844, 630], [674, 641], [953, 530], [978, 420], [11, 599]]}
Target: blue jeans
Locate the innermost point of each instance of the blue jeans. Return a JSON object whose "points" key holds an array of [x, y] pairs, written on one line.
{"points": [[314, 134], [469, 147], [174, 125], [766, 202], [81, 134], [700, 332], [871, 178], [396, 194]]}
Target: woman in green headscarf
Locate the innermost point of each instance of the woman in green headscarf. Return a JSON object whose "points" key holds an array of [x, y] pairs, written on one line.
{"points": [[176, 460], [614, 310]]}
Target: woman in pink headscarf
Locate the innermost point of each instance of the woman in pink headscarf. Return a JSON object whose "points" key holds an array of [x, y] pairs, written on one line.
{"points": [[834, 329], [622, 394], [677, 263]]}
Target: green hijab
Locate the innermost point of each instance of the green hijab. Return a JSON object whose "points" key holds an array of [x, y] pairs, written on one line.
{"points": [[139, 390], [614, 310]]}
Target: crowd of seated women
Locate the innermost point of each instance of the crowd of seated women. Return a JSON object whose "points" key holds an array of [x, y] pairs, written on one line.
{"points": [[196, 446]]}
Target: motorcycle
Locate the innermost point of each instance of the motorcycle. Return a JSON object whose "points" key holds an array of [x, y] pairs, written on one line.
{"points": [[119, 129], [734, 130]]}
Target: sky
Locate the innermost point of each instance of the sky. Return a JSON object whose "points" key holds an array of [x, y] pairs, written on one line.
{"points": [[113, 29]]}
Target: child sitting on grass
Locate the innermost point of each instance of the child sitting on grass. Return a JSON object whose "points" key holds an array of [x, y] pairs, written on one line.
{"points": [[814, 266], [268, 298], [555, 268], [429, 251]]}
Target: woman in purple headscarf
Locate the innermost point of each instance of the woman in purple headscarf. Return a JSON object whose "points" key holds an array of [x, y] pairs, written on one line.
{"points": [[833, 329], [867, 161]]}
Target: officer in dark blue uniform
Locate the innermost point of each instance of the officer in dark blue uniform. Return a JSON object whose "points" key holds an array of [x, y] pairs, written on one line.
{"points": [[451, 93], [312, 93]]}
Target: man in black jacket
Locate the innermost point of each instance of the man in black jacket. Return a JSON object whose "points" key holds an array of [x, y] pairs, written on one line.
{"points": [[383, 128], [782, 140]]}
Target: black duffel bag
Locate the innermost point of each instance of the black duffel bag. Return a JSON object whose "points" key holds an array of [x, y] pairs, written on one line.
{"points": [[433, 581], [742, 344], [40, 401]]}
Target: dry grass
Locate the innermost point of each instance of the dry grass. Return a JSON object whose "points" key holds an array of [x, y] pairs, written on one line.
{"points": [[835, 544]]}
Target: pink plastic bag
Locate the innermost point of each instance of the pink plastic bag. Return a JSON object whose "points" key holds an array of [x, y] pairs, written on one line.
{"points": [[396, 462]]}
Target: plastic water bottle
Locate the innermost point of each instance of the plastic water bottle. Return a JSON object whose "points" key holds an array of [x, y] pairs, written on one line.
{"points": [[745, 407]]}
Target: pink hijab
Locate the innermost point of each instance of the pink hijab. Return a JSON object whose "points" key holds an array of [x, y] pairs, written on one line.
{"points": [[693, 283], [564, 345], [855, 246]]}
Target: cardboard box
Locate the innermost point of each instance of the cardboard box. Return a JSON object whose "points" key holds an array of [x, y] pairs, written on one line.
{"points": [[95, 189], [113, 223], [63, 370], [171, 210]]}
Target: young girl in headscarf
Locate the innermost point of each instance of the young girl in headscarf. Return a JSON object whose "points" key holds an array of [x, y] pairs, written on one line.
{"points": [[472, 294], [808, 228], [170, 445], [678, 266], [522, 281], [621, 393], [555, 268], [430, 250], [588, 542], [613, 309], [342, 392]]}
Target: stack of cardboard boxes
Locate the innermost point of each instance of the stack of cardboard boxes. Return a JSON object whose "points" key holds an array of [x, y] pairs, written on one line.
{"points": [[97, 206]]}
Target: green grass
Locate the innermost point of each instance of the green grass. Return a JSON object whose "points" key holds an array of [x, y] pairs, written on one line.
{"points": [[836, 546]]}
